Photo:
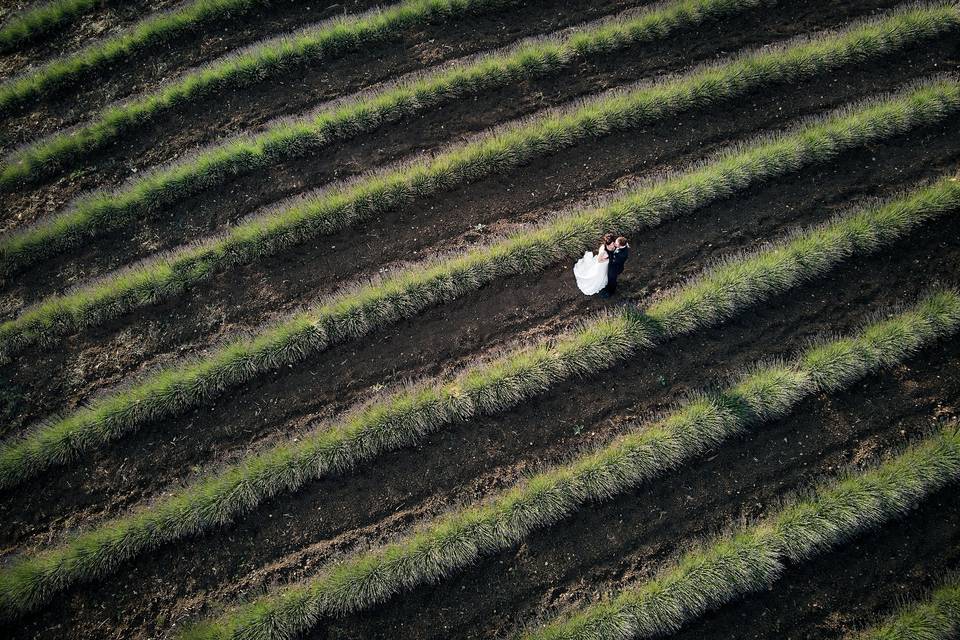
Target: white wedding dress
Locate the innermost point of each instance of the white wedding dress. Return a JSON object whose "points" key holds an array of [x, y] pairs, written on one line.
{"points": [[591, 274]]}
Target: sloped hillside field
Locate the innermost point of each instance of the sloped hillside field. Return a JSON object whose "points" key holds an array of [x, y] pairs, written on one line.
{"points": [[291, 343]]}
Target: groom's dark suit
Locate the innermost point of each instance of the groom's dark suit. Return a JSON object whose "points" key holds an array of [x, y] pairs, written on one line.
{"points": [[615, 267]]}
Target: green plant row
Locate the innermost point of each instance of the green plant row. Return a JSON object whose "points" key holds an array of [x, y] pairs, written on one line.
{"points": [[335, 211], [307, 136], [403, 418], [149, 31], [93, 216], [456, 540], [178, 388], [33, 23], [937, 618], [755, 557], [267, 59]]}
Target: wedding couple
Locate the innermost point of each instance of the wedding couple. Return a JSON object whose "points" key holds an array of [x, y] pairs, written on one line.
{"points": [[598, 273]]}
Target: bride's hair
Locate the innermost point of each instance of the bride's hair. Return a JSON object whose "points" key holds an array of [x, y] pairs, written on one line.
{"points": [[608, 238]]}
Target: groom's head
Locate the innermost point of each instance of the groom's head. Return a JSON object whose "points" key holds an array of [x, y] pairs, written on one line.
{"points": [[621, 242]]}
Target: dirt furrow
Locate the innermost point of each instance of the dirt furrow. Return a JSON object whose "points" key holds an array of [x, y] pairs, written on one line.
{"points": [[603, 546], [769, 107], [309, 83]]}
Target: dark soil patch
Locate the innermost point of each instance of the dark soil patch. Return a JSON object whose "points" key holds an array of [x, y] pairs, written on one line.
{"points": [[70, 372], [624, 539], [139, 150]]}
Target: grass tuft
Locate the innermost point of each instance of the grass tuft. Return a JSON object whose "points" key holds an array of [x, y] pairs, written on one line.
{"points": [[33, 23], [937, 618], [256, 64], [331, 212], [409, 293]]}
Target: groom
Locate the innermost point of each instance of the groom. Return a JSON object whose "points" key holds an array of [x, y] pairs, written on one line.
{"points": [[618, 252]]}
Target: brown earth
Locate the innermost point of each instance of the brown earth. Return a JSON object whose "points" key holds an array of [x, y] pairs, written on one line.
{"points": [[854, 586], [625, 540]]}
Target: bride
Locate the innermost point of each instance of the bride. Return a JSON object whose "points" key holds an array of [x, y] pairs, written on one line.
{"points": [[591, 270]]}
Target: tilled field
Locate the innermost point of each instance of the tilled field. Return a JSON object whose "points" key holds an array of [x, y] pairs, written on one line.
{"points": [[291, 346]]}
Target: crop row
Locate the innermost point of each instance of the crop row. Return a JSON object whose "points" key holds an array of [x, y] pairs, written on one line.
{"points": [[291, 140], [499, 153], [150, 31], [454, 541], [754, 557], [937, 618], [32, 23], [330, 212], [406, 417], [263, 61], [176, 389]]}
